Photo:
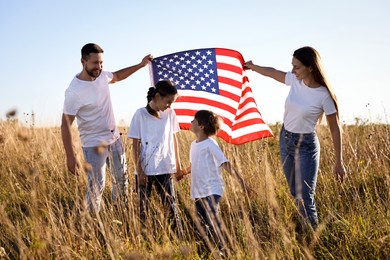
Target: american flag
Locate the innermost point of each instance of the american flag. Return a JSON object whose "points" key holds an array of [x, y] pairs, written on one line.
{"points": [[213, 79]]}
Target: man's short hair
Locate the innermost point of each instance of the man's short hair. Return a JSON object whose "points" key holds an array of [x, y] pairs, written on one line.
{"points": [[90, 48]]}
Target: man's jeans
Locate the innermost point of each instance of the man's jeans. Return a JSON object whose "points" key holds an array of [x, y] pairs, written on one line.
{"points": [[300, 155], [114, 154]]}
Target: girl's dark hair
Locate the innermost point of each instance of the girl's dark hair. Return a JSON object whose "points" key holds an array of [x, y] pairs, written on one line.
{"points": [[209, 120], [164, 88], [90, 48]]}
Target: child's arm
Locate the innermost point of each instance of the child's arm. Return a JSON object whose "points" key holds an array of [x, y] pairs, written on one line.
{"points": [[228, 167]]}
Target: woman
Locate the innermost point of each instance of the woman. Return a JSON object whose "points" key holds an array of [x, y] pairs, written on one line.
{"points": [[309, 98]]}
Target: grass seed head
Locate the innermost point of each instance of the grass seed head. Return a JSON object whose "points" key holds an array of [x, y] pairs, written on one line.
{"points": [[12, 113]]}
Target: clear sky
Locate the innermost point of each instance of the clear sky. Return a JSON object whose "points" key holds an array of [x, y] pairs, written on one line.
{"points": [[41, 41]]}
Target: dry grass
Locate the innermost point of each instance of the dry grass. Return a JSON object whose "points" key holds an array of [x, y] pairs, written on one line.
{"points": [[42, 211]]}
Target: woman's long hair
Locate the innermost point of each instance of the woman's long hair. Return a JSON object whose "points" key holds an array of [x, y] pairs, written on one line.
{"points": [[309, 57]]}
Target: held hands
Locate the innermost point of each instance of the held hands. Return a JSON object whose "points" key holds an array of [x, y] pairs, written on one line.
{"points": [[181, 173]]}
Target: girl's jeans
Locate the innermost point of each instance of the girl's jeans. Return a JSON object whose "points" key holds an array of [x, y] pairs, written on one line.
{"points": [[165, 188], [97, 157], [300, 155]]}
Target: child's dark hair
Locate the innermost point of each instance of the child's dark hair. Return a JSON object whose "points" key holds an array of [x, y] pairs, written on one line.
{"points": [[164, 88], [209, 120]]}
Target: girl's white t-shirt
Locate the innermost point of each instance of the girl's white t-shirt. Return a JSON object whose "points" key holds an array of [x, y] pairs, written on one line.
{"points": [[157, 140], [305, 105], [90, 102], [206, 158]]}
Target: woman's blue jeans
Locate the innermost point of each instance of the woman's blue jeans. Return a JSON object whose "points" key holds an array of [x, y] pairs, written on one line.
{"points": [[300, 156]]}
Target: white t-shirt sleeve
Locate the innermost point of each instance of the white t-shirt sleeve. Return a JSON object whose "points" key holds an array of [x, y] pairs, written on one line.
{"points": [[175, 124], [109, 75], [72, 103], [289, 78], [135, 126], [329, 106], [217, 153]]}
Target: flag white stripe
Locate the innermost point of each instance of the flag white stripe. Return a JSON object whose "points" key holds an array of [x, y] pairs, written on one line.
{"points": [[228, 60]]}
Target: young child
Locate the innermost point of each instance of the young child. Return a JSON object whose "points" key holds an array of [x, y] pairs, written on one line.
{"points": [[207, 185], [155, 150]]}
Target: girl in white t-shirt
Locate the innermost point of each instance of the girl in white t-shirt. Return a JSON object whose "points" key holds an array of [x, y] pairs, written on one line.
{"points": [[207, 185], [155, 150], [309, 98]]}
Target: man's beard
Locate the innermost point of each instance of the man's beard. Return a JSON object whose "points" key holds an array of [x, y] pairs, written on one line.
{"points": [[94, 73]]}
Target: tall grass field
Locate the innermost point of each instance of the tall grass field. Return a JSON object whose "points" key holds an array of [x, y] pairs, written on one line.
{"points": [[42, 212]]}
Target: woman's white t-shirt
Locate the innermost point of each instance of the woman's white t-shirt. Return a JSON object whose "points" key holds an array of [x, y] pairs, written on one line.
{"points": [[157, 140], [206, 174], [305, 105]]}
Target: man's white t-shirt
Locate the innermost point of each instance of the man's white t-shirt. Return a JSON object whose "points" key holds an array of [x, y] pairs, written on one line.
{"points": [[157, 140], [90, 102], [206, 172], [305, 105]]}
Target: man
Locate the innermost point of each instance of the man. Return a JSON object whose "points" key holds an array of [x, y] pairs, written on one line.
{"points": [[88, 99]]}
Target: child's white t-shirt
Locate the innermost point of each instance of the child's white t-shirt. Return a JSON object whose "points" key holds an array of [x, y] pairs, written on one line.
{"points": [[90, 102], [305, 105], [206, 158], [157, 140]]}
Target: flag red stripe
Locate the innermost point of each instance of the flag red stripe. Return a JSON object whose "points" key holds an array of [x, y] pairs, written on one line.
{"points": [[244, 138], [246, 112], [246, 101], [248, 122], [229, 95], [231, 53], [229, 67], [229, 81], [207, 102]]}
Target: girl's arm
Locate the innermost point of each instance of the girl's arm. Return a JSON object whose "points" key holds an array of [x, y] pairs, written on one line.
{"points": [[266, 71], [177, 157], [335, 130], [142, 179], [229, 168]]}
